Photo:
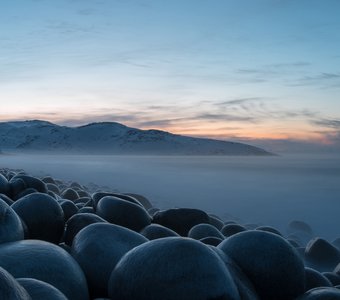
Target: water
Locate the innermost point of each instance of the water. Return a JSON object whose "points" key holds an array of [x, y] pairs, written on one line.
{"points": [[263, 190]]}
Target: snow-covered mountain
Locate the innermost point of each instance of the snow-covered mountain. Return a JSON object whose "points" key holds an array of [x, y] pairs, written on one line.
{"points": [[110, 138]]}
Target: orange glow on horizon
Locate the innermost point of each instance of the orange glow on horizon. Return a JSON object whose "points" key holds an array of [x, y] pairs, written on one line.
{"points": [[215, 130]]}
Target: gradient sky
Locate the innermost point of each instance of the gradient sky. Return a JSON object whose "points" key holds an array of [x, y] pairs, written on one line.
{"points": [[231, 69]]}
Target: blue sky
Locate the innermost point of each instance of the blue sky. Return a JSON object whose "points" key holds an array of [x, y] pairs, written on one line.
{"points": [[255, 69]]}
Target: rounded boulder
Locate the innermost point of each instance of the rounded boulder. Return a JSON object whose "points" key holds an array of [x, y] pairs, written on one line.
{"points": [[171, 269], [123, 213], [98, 248], [46, 262], [39, 290], [269, 261], [42, 215]]}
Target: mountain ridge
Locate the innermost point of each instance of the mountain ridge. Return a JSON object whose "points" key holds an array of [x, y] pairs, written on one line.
{"points": [[111, 138]]}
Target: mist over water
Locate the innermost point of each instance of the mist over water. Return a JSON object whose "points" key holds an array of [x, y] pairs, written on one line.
{"points": [[264, 190]]}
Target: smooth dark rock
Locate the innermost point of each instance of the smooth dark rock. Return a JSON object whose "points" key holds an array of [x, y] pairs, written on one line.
{"points": [[321, 293], [53, 188], [249, 226], [6, 199], [17, 186], [315, 279], [4, 185], [39, 290], [69, 209], [69, 194], [231, 229], [10, 224], [145, 202], [332, 277], [211, 240], [181, 220], [67, 248], [146, 273], [201, 231], [80, 205], [42, 215], [32, 182], [321, 255], [86, 210], [99, 195], [53, 195], [296, 226], [123, 213], [76, 185], [294, 243], [82, 200], [77, 223], [153, 210], [98, 248], [269, 261], [10, 289], [48, 179], [83, 193], [244, 286], [269, 229], [25, 193], [156, 231], [46, 262], [215, 221], [89, 203]]}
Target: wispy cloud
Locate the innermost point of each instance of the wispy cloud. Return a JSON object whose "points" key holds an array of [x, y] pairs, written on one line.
{"points": [[213, 117], [269, 72], [328, 123], [238, 101], [322, 80]]}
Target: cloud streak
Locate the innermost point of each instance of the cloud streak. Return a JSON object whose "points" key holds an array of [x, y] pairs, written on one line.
{"points": [[328, 123]]}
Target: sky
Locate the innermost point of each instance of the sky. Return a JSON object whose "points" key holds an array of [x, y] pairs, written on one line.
{"points": [[266, 71]]}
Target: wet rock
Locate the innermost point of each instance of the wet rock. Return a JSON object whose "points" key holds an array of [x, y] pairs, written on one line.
{"points": [[123, 213], [181, 220], [269, 261], [145, 273], [42, 215], [98, 248]]}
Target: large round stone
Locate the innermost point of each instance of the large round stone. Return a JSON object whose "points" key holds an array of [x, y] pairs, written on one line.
{"points": [[244, 286], [69, 208], [181, 220], [315, 279], [99, 195], [42, 215], [69, 194], [156, 231], [321, 255], [77, 223], [201, 231], [231, 229], [143, 200], [10, 224], [98, 248], [123, 213], [171, 269], [46, 262], [269, 261], [17, 186], [39, 290], [32, 182], [10, 289]]}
